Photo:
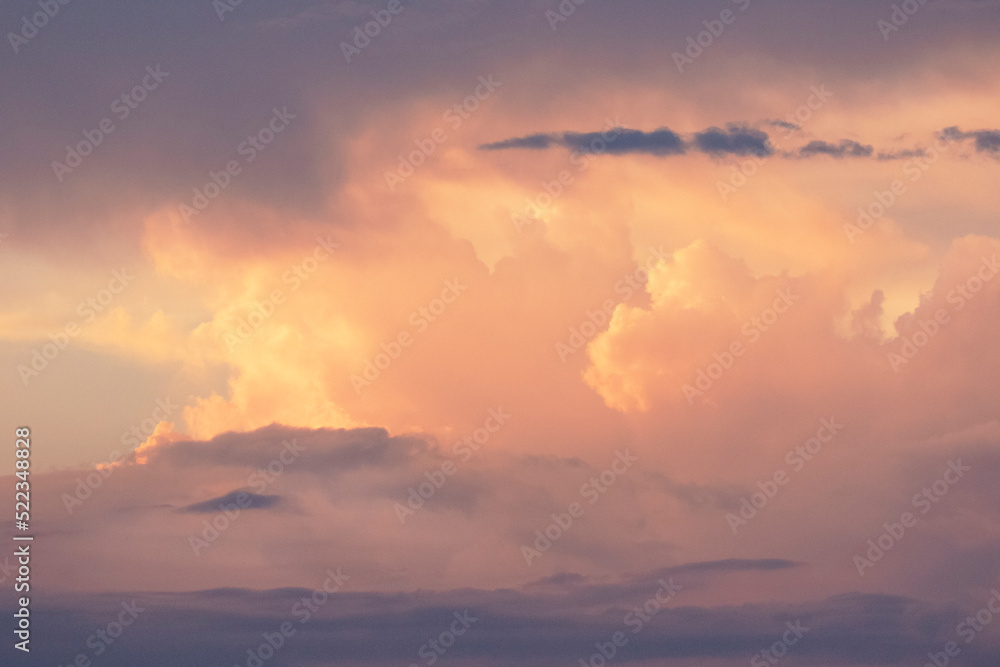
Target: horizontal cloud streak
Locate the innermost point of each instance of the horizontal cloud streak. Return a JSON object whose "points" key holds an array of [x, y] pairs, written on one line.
{"points": [[240, 499], [733, 141], [510, 628], [846, 148]]}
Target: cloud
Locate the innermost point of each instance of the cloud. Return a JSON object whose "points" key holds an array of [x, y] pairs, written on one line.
{"points": [[617, 141], [733, 141], [319, 451], [537, 141], [903, 154], [846, 148], [986, 141], [241, 499], [658, 142], [506, 627], [784, 124]]}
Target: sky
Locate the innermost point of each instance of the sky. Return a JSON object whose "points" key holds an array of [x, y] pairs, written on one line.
{"points": [[522, 333]]}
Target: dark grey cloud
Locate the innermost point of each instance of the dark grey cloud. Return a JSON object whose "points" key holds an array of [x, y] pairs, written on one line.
{"points": [[510, 628], [319, 451], [537, 141], [621, 141], [845, 148], [733, 140], [241, 499], [986, 141], [784, 124], [903, 154], [617, 141]]}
